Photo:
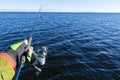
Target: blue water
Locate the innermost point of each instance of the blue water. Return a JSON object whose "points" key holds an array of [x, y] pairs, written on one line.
{"points": [[82, 46]]}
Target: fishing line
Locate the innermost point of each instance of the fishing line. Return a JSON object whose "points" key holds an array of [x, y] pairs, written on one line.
{"points": [[35, 22]]}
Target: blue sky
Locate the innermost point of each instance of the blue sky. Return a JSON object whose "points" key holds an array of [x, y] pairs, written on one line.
{"points": [[61, 5]]}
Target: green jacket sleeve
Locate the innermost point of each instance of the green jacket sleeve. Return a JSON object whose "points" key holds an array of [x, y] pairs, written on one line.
{"points": [[6, 70]]}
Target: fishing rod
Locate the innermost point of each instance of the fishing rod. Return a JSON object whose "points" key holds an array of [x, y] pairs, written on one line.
{"points": [[37, 57], [37, 18], [45, 48]]}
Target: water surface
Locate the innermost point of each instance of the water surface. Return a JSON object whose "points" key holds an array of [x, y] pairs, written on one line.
{"points": [[82, 46]]}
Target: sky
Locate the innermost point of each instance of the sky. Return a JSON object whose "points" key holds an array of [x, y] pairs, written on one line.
{"points": [[61, 5]]}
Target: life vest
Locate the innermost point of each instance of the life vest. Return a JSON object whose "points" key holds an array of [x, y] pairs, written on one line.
{"points": [[9, 59]]}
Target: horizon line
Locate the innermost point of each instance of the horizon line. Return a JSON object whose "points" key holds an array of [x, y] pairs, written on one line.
{"points": [[27, 10], [60, 11]]}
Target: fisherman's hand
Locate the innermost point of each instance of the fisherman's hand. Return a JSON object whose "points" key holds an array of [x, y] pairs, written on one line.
{"points": [[29, 55], [16, 50]]}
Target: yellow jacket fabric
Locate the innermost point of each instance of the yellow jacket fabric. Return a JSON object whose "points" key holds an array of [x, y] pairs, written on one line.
{"points": [[6, 70]]}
